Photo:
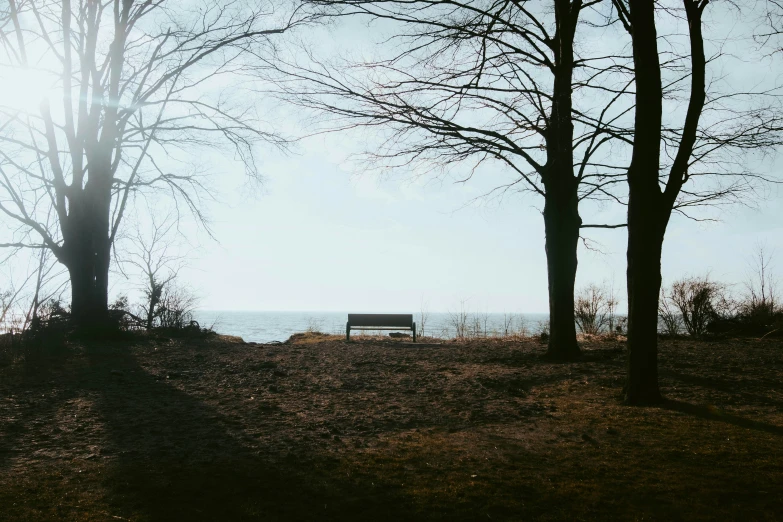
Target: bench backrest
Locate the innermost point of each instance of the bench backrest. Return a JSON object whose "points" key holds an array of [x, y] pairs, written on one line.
{"points": [[402, 320]]}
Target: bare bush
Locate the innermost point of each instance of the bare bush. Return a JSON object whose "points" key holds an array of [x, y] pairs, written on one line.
{"points": [[668, 315], [521, 330], [508, 324], [479, 325], [459, 322], [761, 301], [542, 330], [176, 307], [697, 300], [594, 309], [424, 315], [6, 302], [314, 326], [615, 323]]}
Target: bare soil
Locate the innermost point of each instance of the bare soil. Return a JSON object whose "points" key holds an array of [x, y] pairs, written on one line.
{"points": [[320, 429]]}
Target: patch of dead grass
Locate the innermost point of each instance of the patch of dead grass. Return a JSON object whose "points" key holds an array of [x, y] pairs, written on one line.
{"points": [[383, 429]]}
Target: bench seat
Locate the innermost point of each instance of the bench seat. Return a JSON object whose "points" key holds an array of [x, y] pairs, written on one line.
{"points": [[380, 322]]}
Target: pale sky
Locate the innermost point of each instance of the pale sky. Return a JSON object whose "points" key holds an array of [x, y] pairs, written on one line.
{"points": [[321, 235]]}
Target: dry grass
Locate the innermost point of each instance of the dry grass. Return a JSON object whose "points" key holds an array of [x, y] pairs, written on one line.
{"points": [[215, 429]]}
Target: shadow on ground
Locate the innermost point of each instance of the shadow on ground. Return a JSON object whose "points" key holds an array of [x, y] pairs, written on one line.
{"points": [[173, 457], [163, 430], [713, 414]]}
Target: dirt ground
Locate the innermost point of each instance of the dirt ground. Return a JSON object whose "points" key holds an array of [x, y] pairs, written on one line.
{"points": [[319, 429]]}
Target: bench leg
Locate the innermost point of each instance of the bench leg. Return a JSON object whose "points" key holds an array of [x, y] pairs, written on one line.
{"points": [[347, 331], [414, 332]]}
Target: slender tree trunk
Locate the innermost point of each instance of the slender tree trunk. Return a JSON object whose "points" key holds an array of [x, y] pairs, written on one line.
{"points": [[150, 314]]}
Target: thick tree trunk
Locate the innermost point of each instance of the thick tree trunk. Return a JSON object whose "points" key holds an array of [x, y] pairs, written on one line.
{"points": [[86, 252], [82, 290], [649, 207], [646, 216], [645, 244], [561, 200], [561, 222], [89, 287]]}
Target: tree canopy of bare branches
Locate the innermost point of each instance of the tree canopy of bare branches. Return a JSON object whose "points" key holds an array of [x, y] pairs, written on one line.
{"points": [[137, 88], [668, 158], [490, 82]]}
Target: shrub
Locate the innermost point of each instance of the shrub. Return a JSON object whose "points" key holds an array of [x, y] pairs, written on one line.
{"points": [[459, 322], [669, 318], [594, 310], [760, 305], [176, 307], [693, 302], [542, 330]]}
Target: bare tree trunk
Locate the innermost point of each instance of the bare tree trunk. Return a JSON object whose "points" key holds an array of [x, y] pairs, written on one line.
{"points": [[649, 207], [89, 287], [102, 248], [86, 253], [150, 314], [562, 235], [83, 302], [646, 218], [561, 207], [644, 285]]}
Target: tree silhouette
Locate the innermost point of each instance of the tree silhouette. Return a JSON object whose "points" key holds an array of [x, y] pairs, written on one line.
{"points": [[714, 128], [481, 81], [138, 88]]}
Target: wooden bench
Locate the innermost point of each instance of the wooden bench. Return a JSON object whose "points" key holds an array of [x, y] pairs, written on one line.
{"points": [[379, 322]]}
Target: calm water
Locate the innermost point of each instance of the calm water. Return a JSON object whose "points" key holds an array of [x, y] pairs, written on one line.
{"points": [[263, 327]]}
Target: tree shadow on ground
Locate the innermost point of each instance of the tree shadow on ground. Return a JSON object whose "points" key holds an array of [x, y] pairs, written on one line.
{"points": [[173, 457], [33, 396], [708, 413], [736, 392]]}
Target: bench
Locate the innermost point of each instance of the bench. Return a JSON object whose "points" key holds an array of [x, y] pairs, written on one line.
{"points": [[379, 322]]}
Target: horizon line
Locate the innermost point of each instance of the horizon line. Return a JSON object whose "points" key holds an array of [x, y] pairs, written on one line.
{"points": [[369, 312]]}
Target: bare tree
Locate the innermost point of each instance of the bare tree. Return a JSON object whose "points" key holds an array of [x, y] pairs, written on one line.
{"points": [[49, 285], [712, 124], [24, 294], [138, 86], [762, 299], [770, 34], [159, 259], [424, 316], [485, 81]]}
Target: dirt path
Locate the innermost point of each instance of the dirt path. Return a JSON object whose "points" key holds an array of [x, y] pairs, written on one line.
{"points": [[216, 429]]}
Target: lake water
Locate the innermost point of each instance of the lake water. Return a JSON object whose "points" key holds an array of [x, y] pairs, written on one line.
{"points": [[263, 327]]}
